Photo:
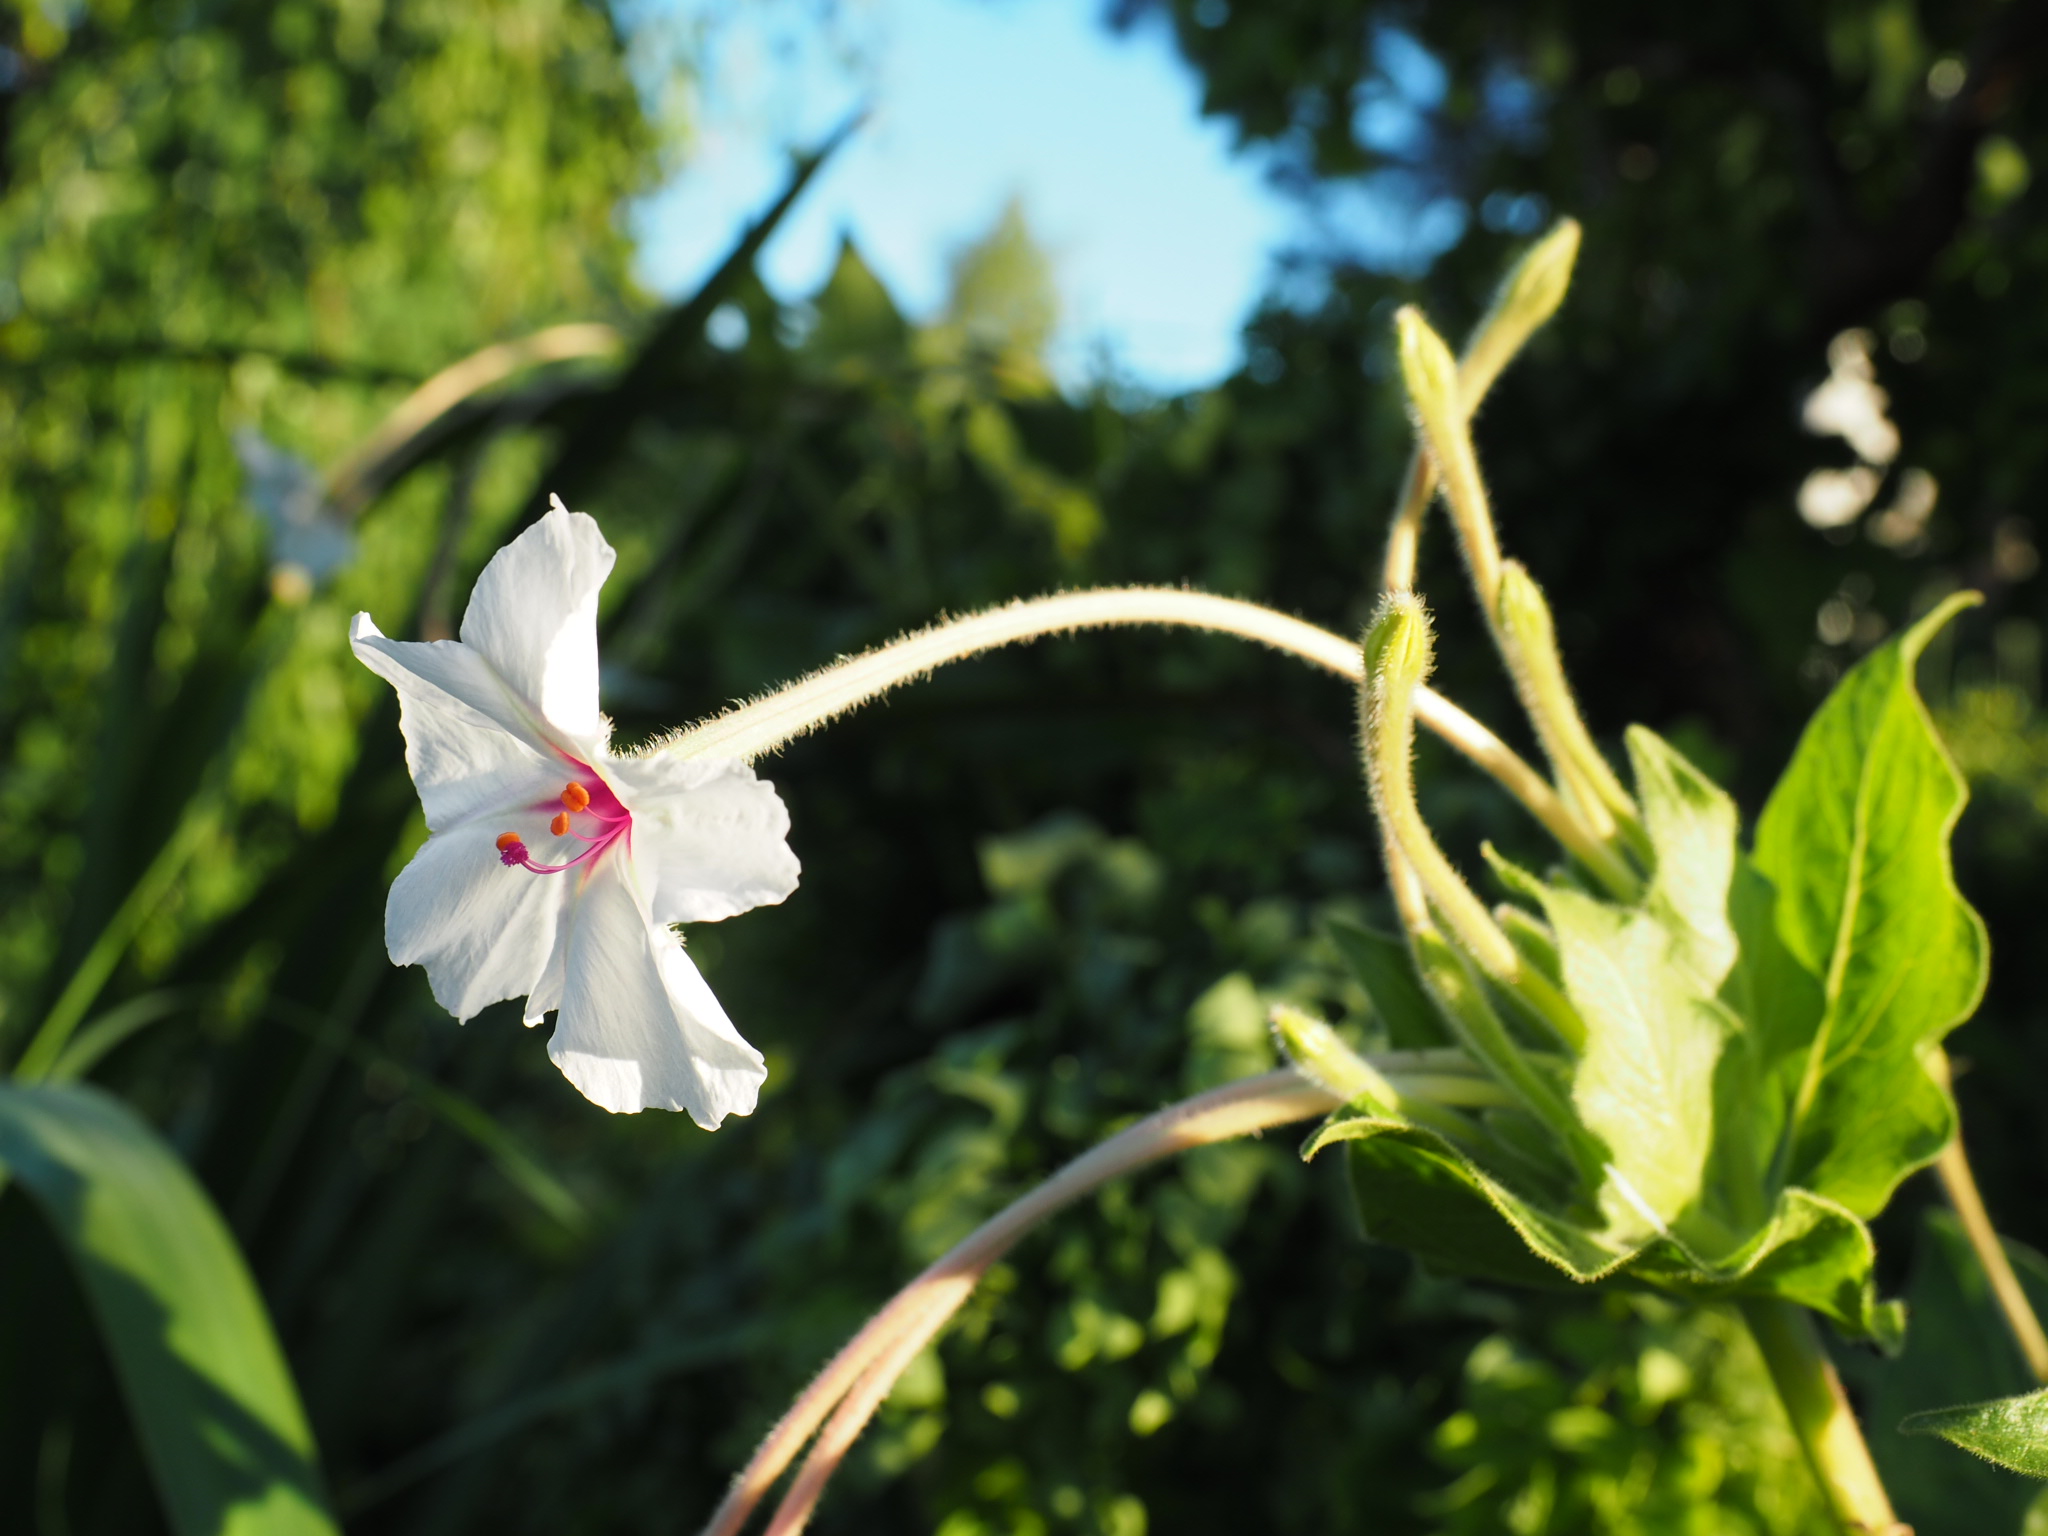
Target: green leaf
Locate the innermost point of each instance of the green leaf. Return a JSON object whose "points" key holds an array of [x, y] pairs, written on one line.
{"points": [[1645, 1082], [1855, 840], [1668, 1116], [2010, 1431], [1386, 971], [214, 1405], [1415, 1190]]}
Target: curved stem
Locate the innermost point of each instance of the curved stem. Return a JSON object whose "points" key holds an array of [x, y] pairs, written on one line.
{"points": [[1960, 1185], [1819, 1410], [766, 723], [759, 727], [349, 483], [877, 1354], [1404, 535]]}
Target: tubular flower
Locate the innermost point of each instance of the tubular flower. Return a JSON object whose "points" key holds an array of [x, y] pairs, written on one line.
{"points": [[554, 866]]}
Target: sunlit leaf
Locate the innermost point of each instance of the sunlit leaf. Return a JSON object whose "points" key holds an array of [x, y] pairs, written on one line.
{"points": [[212, 1399], [1856, 840]]}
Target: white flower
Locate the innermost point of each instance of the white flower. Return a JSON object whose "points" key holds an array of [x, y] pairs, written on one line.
{"points": [[554, 866]]}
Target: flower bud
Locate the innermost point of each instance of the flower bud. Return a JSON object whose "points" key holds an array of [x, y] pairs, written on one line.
{"points": [[1322, 1057], [1529, 296], [1529, 639], [1431, 379]]}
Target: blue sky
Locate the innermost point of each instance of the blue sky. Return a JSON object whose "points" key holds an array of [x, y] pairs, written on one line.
{"points": [[1162, 236]]}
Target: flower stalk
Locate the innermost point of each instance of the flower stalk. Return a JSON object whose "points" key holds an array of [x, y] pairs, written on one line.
{"points": [[1959, 1184], [763, 725], [1811, 1391], [848, 1391], [1527, 298], [1530, 648], [1397, 659]]}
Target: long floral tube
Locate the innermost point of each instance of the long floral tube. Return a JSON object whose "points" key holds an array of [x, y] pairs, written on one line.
{"points": [[862, 1373], [762, 725]]}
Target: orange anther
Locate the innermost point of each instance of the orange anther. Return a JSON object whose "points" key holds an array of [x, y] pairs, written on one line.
{"points": [[508, 840], [560, 825], [576, 797]]}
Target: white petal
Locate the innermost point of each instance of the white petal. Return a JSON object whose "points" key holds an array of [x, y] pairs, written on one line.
{"points": [[533, 613], [709, 839], [471, 745], [638, 1028], [484, 932]]}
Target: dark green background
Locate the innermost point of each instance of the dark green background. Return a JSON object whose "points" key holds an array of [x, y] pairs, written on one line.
{"points": [[1042, 893]]}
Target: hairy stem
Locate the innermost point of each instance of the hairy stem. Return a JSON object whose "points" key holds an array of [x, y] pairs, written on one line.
{"points": [[754, 729], [862, 1373], [1819, 1410]]}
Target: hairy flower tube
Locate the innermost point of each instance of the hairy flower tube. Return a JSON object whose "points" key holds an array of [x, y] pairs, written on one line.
{"points": [[553, 865]]}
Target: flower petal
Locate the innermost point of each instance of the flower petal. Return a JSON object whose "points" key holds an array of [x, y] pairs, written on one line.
{"points": [[484, 932], [709, 839], [470, 744], [533, 613], [638, 1028]]}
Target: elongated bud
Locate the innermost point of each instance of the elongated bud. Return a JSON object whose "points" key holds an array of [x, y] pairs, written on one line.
{"points": [[1431, 378], [1529, 640], [1397, 654], [1529, 296], [1320, 1055], [1324, 1059]]}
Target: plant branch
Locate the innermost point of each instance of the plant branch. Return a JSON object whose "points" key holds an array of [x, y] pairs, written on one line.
{"points": [[763, 725], [1819, 1410], [862, 1373], [1960, 1185]]}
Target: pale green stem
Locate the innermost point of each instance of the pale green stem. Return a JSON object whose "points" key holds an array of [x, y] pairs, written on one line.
{"points": [[1529, 645], [1387, 743], [859, 1377], [759, 727], [1404, 536], [1821, 1417], [1959, 1183]]}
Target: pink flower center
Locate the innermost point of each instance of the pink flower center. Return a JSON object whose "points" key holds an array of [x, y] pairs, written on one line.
{"points": [[586, 810]]}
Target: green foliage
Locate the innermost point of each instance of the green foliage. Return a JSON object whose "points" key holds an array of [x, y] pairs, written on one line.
{"points": [[1734, 1152], [199, 1365], [1622, 1419], [240, 214], [1855, 839]]}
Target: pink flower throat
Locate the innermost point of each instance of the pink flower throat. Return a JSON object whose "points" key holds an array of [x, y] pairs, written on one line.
{"points": [[585, 802]]}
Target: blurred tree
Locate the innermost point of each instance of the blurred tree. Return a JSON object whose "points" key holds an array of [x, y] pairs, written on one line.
{"points": [[1042, 892]]}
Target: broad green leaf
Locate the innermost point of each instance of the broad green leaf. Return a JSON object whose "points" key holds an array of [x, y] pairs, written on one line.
{"points": [[1691, 824], [1855, 840], [214, 1405], [2010, 1431], [1643, 978], [1645, 1082], [1384, 968], [1415, 1190]]}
